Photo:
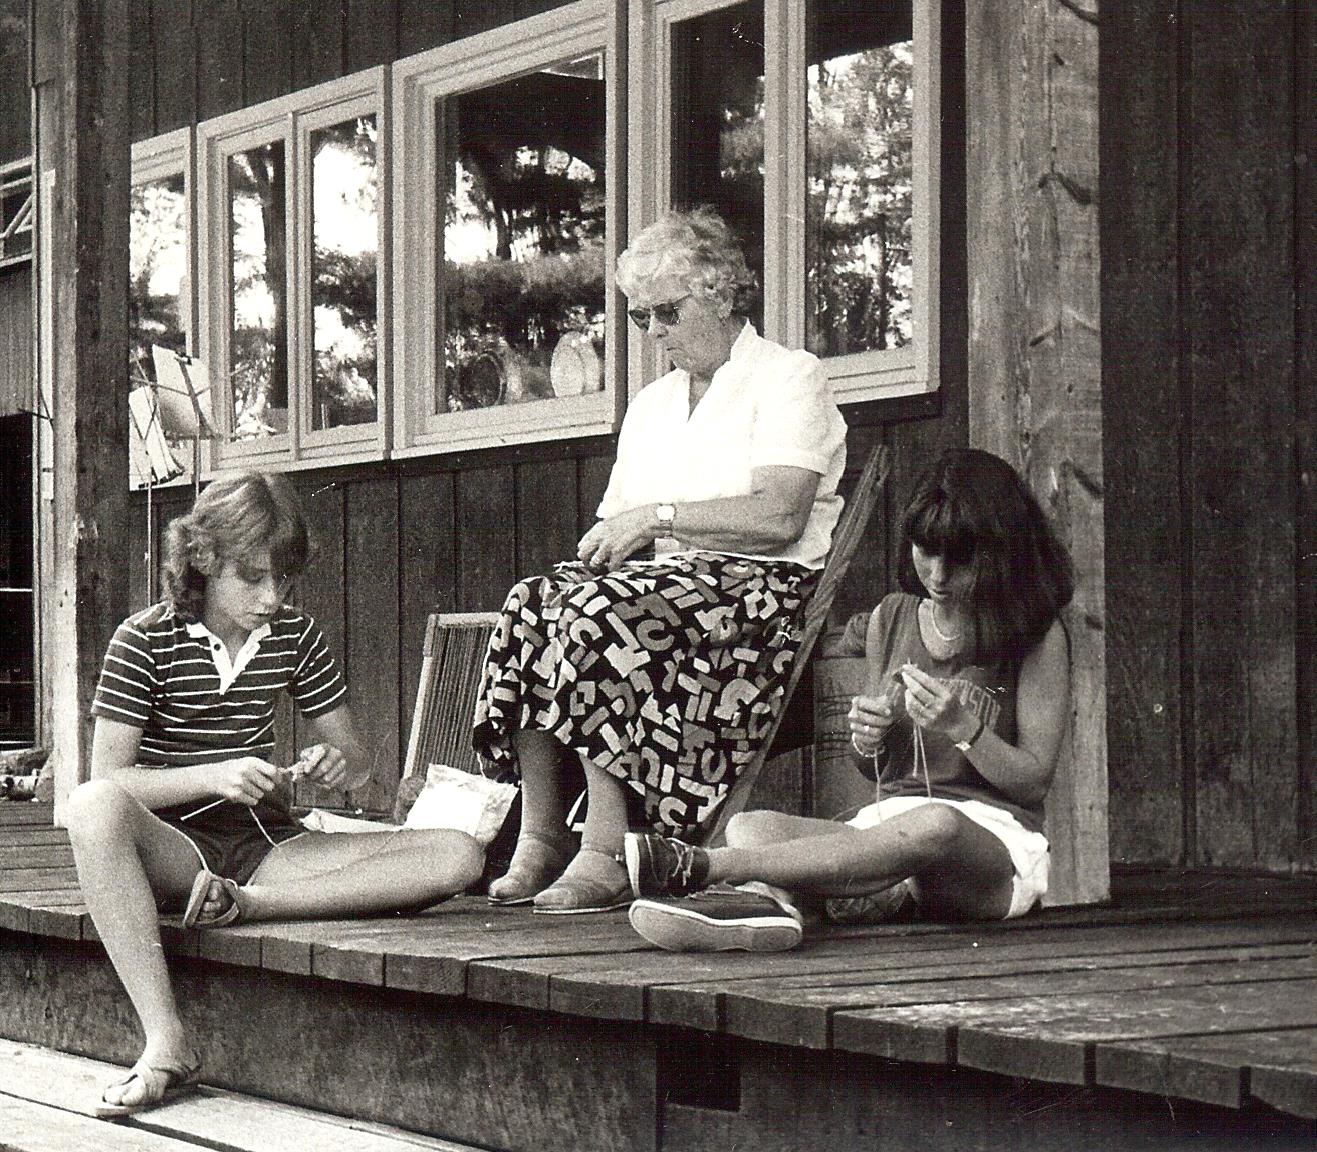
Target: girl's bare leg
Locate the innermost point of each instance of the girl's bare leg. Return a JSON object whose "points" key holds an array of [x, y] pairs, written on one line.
{"points": [[125, 858], [962, 868]]}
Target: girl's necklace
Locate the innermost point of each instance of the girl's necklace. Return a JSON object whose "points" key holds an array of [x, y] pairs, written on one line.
{"points": [[932, 619]]}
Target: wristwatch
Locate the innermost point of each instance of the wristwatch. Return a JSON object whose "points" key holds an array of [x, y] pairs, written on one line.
{"points": [[666, 514], [966, 745]]}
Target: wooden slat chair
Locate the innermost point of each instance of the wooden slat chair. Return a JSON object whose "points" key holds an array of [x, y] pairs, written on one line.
{"points": [[455, 649]]}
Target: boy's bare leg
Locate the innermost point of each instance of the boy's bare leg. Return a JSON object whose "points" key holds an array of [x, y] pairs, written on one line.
{"points": [[963, 869], [358, 874], [125, 856]]}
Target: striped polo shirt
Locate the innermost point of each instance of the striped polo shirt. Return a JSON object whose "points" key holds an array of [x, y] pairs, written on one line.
{"points": [[163, 674]]}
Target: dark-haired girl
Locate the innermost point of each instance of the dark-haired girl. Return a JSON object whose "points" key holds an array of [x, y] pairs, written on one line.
{"points": [[960, 722]]}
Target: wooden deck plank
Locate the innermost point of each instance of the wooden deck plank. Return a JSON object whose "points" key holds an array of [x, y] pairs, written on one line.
{"points": [[1222, 1070], [37, 856], [24, 835], [208, 1117], [1052, 1039], [689, 1004], [26, 813], [26, 879], [795, 1014], [37, 1128]]}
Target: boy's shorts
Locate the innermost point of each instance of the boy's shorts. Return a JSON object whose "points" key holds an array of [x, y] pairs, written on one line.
{"points": [[232, 839], [1029, 851]]}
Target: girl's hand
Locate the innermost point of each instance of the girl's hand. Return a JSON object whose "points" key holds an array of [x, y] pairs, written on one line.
{"points": [[246, 780], [613, 541], [935, 706], [322, 764], [869, 718]]}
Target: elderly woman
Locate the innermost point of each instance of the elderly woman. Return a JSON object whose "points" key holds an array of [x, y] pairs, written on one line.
{"points": [[658, 658]]}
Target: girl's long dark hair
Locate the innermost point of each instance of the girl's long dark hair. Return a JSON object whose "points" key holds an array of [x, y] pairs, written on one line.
{"points": [[973, 508]]}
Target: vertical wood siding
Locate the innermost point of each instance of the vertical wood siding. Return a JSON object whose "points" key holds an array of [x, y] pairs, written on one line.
{"points": [[1208, 259]]}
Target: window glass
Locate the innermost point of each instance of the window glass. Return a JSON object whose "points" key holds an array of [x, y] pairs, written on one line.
{"points": [[157, 284], [523, 238], [860, 89], [718, 124], [258, 368], [345, 250]]}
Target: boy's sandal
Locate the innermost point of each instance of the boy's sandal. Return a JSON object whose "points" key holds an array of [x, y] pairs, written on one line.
{"points": [[195, 915], [576, 895], [536, 862], [161, 1083]]}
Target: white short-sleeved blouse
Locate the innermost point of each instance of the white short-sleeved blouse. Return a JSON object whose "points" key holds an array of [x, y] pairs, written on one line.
{"points": [[766, 406]]}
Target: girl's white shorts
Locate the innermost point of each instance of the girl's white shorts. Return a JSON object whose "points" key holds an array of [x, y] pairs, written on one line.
{"points": [[1029, 851]]}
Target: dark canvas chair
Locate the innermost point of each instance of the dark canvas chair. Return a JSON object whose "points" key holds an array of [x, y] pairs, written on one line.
{"points": [[455, 649]]}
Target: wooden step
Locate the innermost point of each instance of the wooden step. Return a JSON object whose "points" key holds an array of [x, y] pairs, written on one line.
{"points": [[47, 1099]]}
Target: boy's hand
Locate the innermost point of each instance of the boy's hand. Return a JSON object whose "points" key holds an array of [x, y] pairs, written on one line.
{"points": [[933, 704], [322, 764], [246, 779]]}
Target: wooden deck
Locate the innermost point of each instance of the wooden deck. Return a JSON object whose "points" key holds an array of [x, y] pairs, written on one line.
{"points": [[1191, 994]]}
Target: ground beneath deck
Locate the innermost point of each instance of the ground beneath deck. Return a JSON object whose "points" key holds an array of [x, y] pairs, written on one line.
{"points": [[1186, 1007]]}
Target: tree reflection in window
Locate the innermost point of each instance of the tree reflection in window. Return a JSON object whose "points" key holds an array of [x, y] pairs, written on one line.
{"points": [[157, 276], [345, 250], [523, 238], [860, 89], [258, 302], [718, 125]]}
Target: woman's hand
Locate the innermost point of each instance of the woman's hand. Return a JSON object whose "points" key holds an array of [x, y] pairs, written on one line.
{"points": [[869, 718], [244, 780], [322, 764], [935, 706], [611, 542]]}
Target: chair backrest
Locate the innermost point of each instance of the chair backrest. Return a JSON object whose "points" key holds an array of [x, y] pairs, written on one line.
{"points": [[453, 658], [845, 540]]}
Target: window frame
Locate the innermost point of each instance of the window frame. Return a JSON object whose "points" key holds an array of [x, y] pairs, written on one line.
{"points": [[172, 154], [14, 176], [504, 53], [873, 375], [289, 119]]}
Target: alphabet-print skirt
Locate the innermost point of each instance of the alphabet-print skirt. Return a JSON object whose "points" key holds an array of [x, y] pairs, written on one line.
{"points": [[667, 674]]}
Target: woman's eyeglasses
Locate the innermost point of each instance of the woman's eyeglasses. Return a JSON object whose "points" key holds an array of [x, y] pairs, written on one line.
{"points": [[668, 314]]}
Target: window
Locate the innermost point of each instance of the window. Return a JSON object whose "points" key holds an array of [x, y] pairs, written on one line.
{"points": [[15, 212], [293, 297], [504, 324], [812, 126], [160, 301]]}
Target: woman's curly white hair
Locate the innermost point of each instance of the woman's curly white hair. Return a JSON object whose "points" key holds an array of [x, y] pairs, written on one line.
{"points": [[696, 248]]}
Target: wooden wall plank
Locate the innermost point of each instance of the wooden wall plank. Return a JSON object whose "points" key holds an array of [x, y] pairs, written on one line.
{"points": [[486, 543], [1142, 430], [318, 47], [267, 49], [371, 33], [427, 575], [16, 392], [1240, 319], [141, 78], [174, 52], [371, 605], [1034, 356], [1305, 421], [592, 474], [87, 149], [474, 16], [424, 24], [546, 530], [321, 591], [16, 124], [218, 25]]}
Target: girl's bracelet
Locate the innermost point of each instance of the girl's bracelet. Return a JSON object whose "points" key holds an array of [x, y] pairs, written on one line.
{"points": [[867, 752]]}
